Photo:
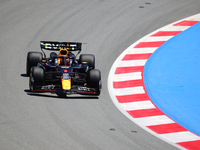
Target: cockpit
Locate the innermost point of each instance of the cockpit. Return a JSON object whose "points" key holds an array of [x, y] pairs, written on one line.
{"points": [[64, 58], [64, 61]]}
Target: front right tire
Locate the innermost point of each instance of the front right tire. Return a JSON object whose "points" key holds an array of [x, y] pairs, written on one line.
{"points": [[36, 78]]}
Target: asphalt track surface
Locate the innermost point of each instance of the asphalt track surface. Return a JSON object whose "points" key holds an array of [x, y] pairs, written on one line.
{"points": [[107, 28]]}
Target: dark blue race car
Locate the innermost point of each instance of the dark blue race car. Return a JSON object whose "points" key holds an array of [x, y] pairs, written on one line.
{"points": [[62, 73]]}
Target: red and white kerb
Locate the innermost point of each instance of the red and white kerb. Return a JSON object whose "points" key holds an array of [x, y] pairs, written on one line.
{"points": [[127, 89]]}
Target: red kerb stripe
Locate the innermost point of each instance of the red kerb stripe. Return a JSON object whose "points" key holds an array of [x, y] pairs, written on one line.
{"points": [[186, 23], [120, 70], [167, 128], [132, 98], [126, 84], [145, 113], [149, 44], [166, 33], [191, 145], [136, 56]]}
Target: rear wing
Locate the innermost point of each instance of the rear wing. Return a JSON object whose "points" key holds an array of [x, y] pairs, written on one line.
{"points": [[56, 46]]}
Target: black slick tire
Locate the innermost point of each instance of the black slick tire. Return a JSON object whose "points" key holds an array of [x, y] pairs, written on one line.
{"points": [[36, 78], [94, 80], [33, 58], [89, 58]]}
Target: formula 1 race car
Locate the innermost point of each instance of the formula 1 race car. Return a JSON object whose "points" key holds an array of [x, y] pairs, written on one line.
{"points": [[62, 73]]}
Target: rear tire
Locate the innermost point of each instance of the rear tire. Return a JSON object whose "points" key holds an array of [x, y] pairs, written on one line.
{"points": [[33, 58], [36, 78], [94, 80], [89, 58]]}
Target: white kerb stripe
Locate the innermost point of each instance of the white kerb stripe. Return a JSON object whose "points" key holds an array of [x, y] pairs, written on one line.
{"points": [[129, 91], [128, 76], [138, 105], [178, 137], [194, 18], [142, 50], [154, 120], [132, 63], [176, 28], [157, 38]]}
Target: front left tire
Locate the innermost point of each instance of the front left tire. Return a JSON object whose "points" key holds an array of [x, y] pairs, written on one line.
{"points": [[94, 80]]}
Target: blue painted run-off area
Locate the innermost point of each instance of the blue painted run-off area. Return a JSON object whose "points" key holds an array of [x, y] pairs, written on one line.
{"points": [[172, 78]]}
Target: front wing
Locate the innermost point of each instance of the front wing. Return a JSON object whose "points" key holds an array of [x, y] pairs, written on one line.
{"points": [[74, 90]]}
